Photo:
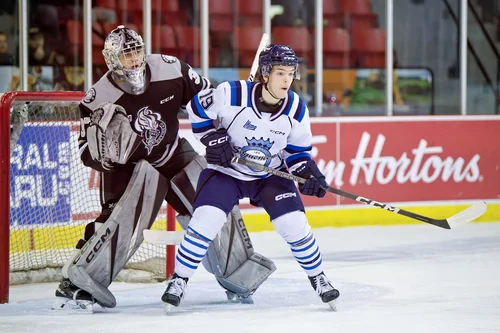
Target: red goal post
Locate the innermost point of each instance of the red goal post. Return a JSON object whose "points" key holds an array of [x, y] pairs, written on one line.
{"points": [[47, 195]]}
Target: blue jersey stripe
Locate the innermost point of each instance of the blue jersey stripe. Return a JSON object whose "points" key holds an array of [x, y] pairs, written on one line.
{"points": [[296, 149], [291, 97], [197, 108], [298, 160], [238, 93], [301, 111], [249, 93], [297, 156], [235, 92], [203, 129], [232, 88]]}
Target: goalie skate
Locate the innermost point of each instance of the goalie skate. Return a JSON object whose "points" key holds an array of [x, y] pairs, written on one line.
{"points": [[72, 298], [238, 298], [325, 290]]}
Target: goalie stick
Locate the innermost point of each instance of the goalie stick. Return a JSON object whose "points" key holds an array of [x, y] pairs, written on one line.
{"points": [[175, 237], [468, 215]]}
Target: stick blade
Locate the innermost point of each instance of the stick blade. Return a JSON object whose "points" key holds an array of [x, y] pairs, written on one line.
{"points": [[163, 237], [467, 215]]}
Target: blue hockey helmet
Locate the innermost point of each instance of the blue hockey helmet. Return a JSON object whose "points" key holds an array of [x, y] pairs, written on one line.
{"points": [[277, 55]]}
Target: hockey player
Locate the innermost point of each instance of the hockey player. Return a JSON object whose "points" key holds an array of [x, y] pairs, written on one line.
{"points": [[262, 122], [130, 133]]}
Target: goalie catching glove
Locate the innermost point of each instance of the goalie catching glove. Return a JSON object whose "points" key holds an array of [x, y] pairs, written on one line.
{"points": [[219, 149], [315, 180], [110, 137]]}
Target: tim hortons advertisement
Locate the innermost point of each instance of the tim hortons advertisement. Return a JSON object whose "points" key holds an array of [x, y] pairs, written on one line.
{"points": [[409, 161]]}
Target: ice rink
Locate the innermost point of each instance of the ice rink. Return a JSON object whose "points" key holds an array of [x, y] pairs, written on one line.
{"points": [[416, 278]]}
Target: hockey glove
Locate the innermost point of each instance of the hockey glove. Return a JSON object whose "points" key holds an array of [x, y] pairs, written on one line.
{"points": [[219, 149], [315, 180]]}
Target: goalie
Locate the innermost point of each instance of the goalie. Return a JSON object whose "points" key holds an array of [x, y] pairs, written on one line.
{"points": [[130, 133]]}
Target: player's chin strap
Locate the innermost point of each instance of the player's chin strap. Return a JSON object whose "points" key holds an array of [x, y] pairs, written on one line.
{"points": [[230, 257], [270, 93]]}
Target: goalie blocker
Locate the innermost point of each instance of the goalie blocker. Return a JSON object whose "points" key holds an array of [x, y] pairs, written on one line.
{"points": [[230, 258]]}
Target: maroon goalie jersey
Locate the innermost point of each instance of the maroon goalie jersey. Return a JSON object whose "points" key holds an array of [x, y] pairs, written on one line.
{"points": [[153, 115]]}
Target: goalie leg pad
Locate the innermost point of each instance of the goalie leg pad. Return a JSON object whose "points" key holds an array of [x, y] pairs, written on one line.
{"points": [[231, 257], [108, 250]]}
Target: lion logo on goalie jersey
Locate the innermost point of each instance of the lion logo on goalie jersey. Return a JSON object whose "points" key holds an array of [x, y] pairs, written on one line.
{"points": [[257, 151], [151, 128]]}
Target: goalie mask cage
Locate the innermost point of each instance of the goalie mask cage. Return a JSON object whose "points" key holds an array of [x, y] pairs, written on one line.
{"points": [[47, 195]]}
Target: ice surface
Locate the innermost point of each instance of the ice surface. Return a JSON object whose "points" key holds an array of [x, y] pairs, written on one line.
{"points": [[416, 278]]}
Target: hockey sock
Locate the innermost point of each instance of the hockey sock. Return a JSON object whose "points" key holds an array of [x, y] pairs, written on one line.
{"points": [[308, 255], [190, 253]]}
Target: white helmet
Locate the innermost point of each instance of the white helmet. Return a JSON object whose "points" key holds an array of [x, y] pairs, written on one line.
{"points": [[124, 55]]}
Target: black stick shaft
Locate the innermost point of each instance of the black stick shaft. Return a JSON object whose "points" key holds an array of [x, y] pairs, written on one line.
{"points": [[439, 223]]}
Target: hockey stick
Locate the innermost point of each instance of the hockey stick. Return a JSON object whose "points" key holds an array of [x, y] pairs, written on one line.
{"points": [[255, 64], [463, 217], [163, 237]]}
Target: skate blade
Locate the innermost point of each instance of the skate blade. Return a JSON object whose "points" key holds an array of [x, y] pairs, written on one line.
{"points": [[333, 304], [69, 305], [168, 308]]}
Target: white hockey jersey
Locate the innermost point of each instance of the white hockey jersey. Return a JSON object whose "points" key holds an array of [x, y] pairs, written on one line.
{"points": [[262, 137]]}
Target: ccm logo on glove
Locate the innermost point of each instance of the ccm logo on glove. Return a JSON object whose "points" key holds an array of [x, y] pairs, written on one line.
{"points": [[218, 141], [219, 150]]}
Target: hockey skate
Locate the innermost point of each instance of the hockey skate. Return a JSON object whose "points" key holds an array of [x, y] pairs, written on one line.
{"points": [[325, 290], [173, 295], [70, 297]]}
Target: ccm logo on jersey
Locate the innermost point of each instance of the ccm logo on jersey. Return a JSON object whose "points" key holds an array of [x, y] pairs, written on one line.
{"points": [[165, 100], [285, 196], [218, 141]]}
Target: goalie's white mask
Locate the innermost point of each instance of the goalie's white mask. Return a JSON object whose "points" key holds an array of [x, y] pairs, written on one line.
{"points": [[124, 55]]}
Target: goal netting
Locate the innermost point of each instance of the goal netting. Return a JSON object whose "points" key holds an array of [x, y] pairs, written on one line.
{"points": [[52, 194]]}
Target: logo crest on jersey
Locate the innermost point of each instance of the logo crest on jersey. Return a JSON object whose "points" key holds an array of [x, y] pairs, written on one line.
{"points": [[168, 59], [89, 96], [249, 126], [151, 128], [257, 151]]}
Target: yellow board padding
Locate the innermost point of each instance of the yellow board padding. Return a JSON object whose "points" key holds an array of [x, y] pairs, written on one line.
{"points": [[60, 237], [367, 216]]}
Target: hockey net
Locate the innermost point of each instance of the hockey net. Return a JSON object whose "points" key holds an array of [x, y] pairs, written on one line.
{"points": [[47, 195]]}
